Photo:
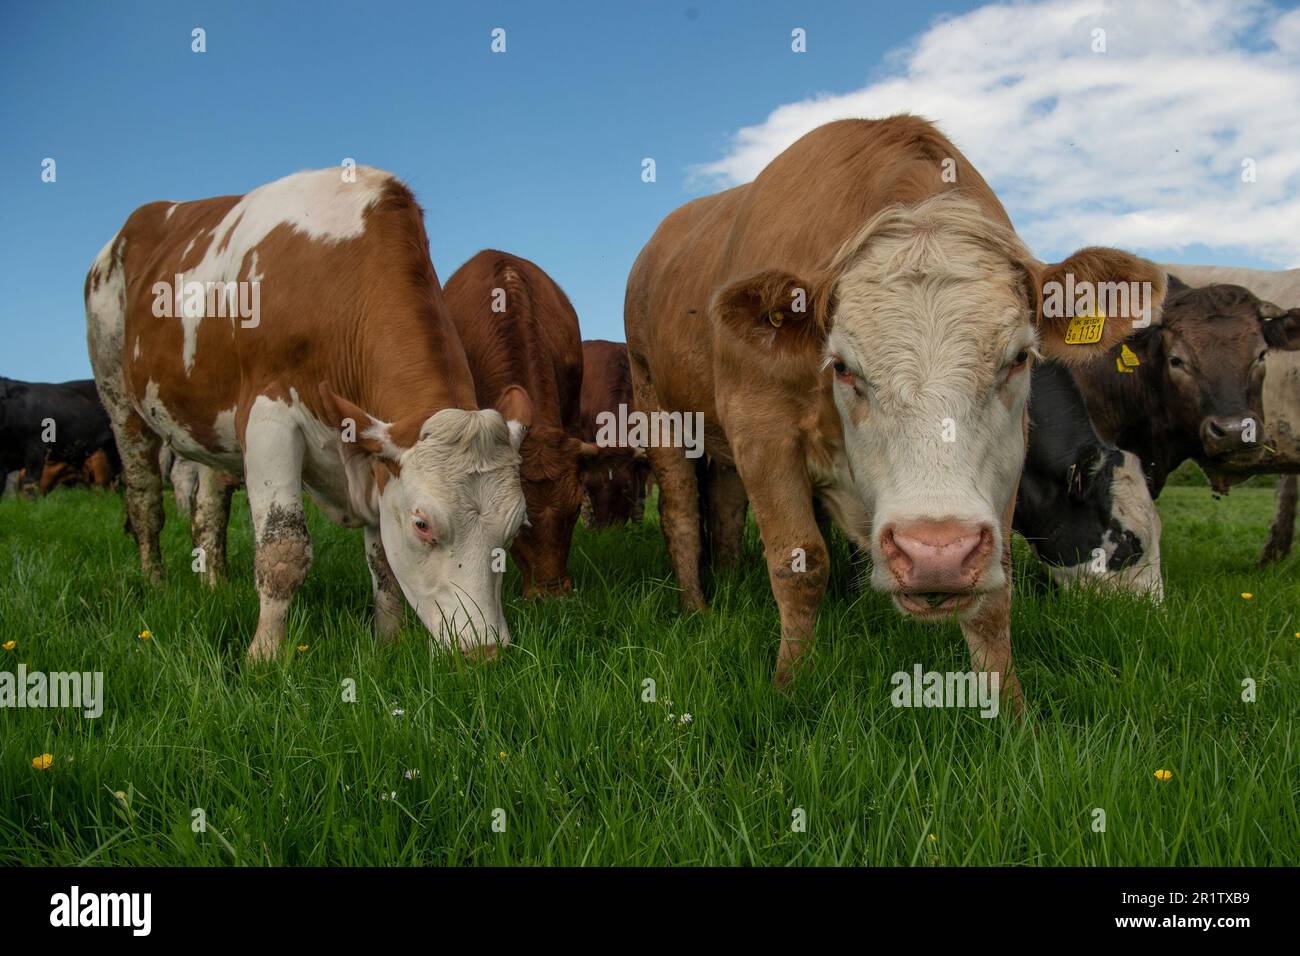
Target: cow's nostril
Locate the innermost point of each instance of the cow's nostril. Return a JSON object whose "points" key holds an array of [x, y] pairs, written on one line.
{"points": [[1216, 430]]}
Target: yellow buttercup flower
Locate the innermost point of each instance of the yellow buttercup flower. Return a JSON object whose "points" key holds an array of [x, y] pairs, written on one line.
{"points": [[302, 648], [145, 635], [1246, 596], [10, 645], [43, 761], [502, 755], [1164, 775]]}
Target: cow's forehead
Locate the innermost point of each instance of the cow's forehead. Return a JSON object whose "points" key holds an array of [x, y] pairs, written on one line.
{"points": [[464, 458], [1199, 329], [939, 331]]}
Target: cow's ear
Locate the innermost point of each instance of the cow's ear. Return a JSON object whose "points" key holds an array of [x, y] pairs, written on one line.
{"points": [[1283, 332], [1094, 300], [774, 312], [593, 457], [517, 409], [360, 432]]}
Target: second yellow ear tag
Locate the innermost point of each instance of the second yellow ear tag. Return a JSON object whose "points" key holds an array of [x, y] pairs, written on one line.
{"points": [[1086, 329]]}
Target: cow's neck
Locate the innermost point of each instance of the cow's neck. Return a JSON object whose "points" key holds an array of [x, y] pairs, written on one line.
{"points": [[409, 366], [1128, 410]]}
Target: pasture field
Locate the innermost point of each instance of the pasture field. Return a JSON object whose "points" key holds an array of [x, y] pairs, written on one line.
{"points": [[558, 737]]}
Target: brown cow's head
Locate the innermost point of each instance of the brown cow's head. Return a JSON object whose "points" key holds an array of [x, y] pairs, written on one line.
{"points": [[553, 472], [1210, 349], [921, 333], [617, 488]]}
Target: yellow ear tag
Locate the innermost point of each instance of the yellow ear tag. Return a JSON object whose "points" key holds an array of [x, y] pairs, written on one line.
{"points": [[1086, 329], [1129, 357], [776, 317]]}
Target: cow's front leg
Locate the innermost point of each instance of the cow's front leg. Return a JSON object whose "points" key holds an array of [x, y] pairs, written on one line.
{"points": [[798, 564], [679, 501], [273, 452], [389, 604], [988, 631]]}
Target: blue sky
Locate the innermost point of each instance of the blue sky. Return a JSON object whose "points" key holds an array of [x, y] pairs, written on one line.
{"points": [[536, 151]]}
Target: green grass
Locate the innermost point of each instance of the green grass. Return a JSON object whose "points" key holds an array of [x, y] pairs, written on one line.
{"points": [[558, 736]]}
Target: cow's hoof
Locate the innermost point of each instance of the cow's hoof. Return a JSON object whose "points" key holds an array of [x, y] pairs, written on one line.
{"points": [[693, 603], [261, 652], [482, 654]]}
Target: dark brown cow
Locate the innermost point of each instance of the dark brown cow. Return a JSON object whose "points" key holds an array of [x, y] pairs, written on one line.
{"points": [[297, 335], [1190, 386], [854, 328], [614, 493], [1281, 389], [519, 329]]}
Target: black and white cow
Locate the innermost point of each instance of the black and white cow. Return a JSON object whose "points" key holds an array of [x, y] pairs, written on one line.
{"points": [[1083, 504]]}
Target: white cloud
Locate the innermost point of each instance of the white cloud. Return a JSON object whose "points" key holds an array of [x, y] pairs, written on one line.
{"points": [[1140, 146]]}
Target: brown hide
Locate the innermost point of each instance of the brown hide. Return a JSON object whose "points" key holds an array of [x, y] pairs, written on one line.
{"points": [[391, 346], [534, 343], [616, 491]]}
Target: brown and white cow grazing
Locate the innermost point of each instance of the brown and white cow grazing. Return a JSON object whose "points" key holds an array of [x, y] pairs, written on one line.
{"points": [[345, 377], [855, 327], [519, 329], [613, 494]]}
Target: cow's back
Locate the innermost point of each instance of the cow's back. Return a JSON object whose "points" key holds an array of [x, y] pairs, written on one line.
{"points": [[794, 216], [327, 274], [535, 342], [606, 382], [1281, 286]]}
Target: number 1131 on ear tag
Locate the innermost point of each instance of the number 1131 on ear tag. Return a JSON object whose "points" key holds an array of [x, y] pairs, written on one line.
{"points": [[1086, 329]]}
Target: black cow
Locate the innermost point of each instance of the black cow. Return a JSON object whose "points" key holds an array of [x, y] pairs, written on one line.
{"points": [[67, 414], [1083, 504]]}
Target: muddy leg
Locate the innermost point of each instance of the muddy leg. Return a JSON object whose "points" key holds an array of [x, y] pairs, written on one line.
{"points": [[208, 522], [389, 603], [273, 451], [1283, 529]]}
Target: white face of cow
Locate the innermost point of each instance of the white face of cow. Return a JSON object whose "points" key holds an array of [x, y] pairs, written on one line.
{"points": [[448, 507], [447, 519], [937, 311], [931, 379], [926, 320]]}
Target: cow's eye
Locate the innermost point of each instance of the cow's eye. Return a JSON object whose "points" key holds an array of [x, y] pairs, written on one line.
{"points": [[1017, 363], [842, 372], [422, 528], [1175, 362]]}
